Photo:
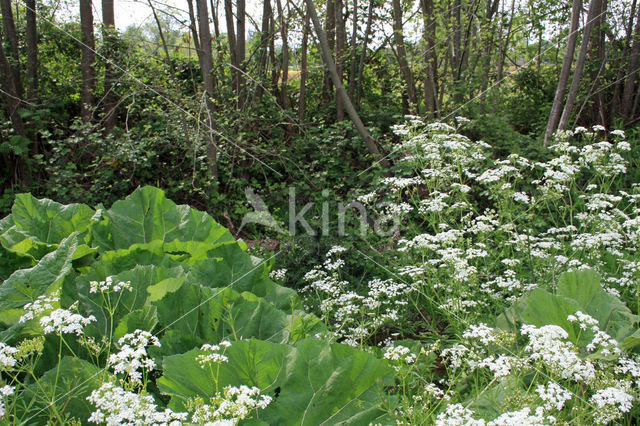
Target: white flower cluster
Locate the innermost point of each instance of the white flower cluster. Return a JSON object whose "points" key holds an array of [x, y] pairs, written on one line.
{"points": [[213, 355], [40, 305], [278, 274], [233, 405], [6, 356], [116, 407], [63, 321], [548, 344], [108, 285], [554, 395], [612, 403], [132, 359], [5, 391], [399, 353]]}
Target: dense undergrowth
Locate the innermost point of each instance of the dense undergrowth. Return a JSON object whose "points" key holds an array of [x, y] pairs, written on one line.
{"points": [[507, 294]]}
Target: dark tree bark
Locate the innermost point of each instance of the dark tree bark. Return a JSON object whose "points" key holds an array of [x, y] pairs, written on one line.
{"points": [[12, 37], [284, 96], [594, 11], [328, 60], [330, 31], [193, 27], [398, 37], [626, 103], [430, 59], [556, 107], [617, 94], [363, 54], [233, 47], [303, 69], [265, 35], [110, 44], [340, 40], [354, 51], [240, 50], [32, 51], [88, 61], [206, 65], [10, 92]]}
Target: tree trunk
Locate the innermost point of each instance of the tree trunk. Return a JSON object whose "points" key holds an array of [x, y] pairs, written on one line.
{"points": [[233, 49], [430, 59], [110, 43], [32, 51], [11, 94], [620, 79], [554, 115], [330, 31], [88, 60], [206, 65], [328, 60], [303, 69], [194, 30], [594, 11], [363, 54], [240, 50], [340, 40], [632, 72], [12, 36], [284, 97], [402, 56], [354, 51], [265, 35]]}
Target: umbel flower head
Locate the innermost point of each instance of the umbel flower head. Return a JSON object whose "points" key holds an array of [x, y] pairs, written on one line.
{"points": [[62, 321], [133, 359]]}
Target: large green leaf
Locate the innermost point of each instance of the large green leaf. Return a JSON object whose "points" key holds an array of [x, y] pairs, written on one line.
{"points": [[576, 291], [147, 215], [26, 285], [49, 222], [312, 383]]}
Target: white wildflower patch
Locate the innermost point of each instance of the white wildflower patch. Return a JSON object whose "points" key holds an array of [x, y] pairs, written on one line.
{"points": [[108, 285], [399, 353], [7, 359], [554, 396], [230, 406], [115, 406], [63, 321], [612, 403], [212, 354], [39, 306], [132, 359], [278, 274]]}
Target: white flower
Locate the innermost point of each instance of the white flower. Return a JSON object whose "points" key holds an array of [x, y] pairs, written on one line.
{"points": [[132, 359], [457, 415], [62, 321], [107, 286], [115, 407], [6, 356], [212, 355], [278, 274], [399, 353], [233, 405], [612, 403], [38, 306], [554, 395]]}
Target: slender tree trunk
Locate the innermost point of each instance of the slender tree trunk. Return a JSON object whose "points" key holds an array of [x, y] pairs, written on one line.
{"points": [[32, 51], [10, 92], [241, 49], [632, 72], [206, 65], [330, 30], [233, 49], [594, 10], [363, 54], [556, 107], [354, 51], [12, 36], [340, 40], [328, 60], [88, 60], [284, 96], [265, 35], [194, 29], [430, 59], [617, 94], [110, 44], [398, 37], [303, 69]]}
